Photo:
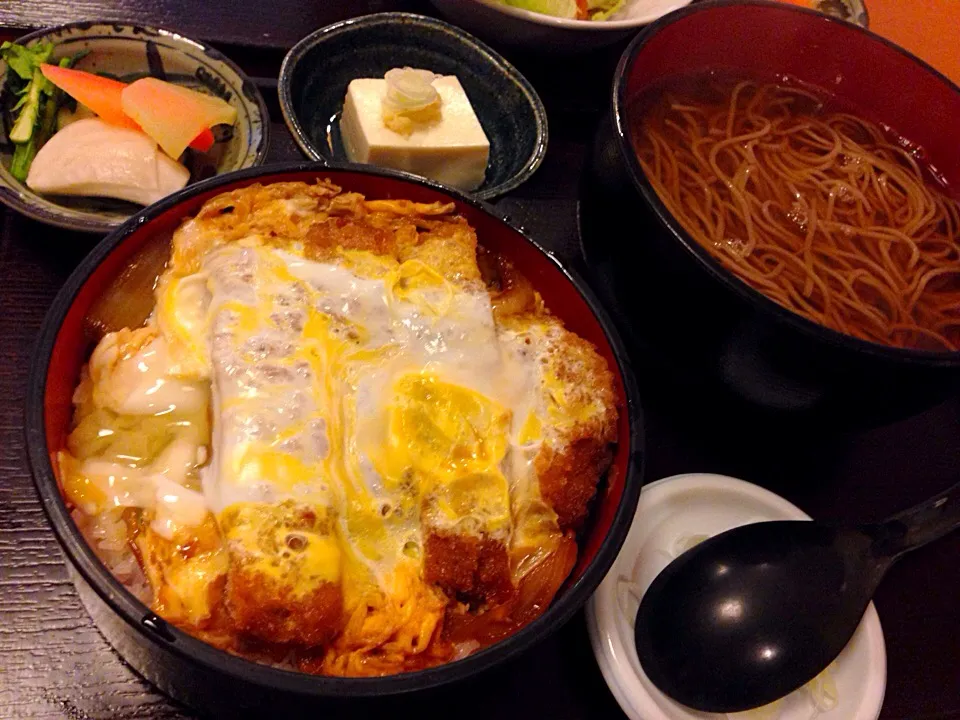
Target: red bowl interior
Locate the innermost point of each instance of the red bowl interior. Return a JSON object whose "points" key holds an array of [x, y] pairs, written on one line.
{"points": [[72, 347], [868, 74]]}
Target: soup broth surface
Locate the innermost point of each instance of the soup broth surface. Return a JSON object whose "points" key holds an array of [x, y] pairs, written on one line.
{"points": [[830, 215]]}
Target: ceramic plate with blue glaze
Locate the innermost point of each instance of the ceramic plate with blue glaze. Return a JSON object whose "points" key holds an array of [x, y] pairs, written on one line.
{"points": [[129, 52], [316, 72]]}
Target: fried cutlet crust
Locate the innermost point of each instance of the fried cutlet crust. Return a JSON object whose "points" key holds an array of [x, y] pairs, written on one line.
{"points": [[468, 567], [444, 242], [264, 608], [568, 478], [578, 448], [271, 593], [173, 565]]}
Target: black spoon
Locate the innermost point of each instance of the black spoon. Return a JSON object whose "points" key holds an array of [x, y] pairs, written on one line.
{"points": [[752, 614]]}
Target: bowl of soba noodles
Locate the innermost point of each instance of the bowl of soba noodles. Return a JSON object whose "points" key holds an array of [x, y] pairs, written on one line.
{"points": [[773, 204]]}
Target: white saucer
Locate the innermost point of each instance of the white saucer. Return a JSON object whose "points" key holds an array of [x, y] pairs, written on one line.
{"points": [[672, 510]]}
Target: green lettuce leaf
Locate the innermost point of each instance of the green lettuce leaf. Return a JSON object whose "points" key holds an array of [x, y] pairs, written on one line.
{"points": [[602, 9], [599, 9], [557, 8]]}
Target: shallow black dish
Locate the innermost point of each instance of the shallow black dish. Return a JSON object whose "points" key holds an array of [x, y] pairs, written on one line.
{"points": [[196, 673], [315, 74], [675, 300]]}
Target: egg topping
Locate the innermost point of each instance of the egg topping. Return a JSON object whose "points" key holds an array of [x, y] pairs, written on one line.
{"points": [[354, 436]]}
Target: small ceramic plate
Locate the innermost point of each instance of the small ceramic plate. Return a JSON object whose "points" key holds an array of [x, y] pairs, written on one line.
{"points": [[671, 512], [316, 72], [128, 52]]}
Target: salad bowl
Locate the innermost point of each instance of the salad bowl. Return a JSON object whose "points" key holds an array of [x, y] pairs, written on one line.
{"points": [[549, 25]]}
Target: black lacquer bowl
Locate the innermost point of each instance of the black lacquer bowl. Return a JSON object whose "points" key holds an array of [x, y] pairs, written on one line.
{"points": [[675, 301], [225, 685]]}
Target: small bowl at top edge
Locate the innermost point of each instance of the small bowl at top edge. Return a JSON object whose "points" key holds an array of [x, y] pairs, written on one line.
{"points": [[518, 27]]}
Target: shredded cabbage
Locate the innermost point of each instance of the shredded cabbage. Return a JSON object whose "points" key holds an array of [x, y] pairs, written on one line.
{"points": [[629, 596], [821, 692], [687, 542]]}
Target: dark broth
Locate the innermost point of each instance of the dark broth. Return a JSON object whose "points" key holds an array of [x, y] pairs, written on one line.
{"points": [[834, 217]]}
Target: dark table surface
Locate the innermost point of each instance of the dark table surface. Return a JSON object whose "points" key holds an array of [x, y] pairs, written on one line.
{"points": [[55, 664]]}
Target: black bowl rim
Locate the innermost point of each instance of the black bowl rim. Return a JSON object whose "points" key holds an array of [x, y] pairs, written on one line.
{"points": [[89, 223], [495, 59], [809, 328], [82, 557]]}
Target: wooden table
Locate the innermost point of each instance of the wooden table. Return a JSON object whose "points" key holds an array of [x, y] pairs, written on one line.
{"points": [[55, 664]]}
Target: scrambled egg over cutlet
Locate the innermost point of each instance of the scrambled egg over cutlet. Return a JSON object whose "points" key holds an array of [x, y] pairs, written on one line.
{"points": [[335, 440]]}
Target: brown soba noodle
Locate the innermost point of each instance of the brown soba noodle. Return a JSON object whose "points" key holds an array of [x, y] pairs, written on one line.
{"points": [[820, 211]]}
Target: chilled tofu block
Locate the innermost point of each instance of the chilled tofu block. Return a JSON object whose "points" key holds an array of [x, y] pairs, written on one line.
{"points": [[453, 150]]}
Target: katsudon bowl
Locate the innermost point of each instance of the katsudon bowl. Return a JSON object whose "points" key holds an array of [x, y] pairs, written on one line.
{"points": [[200, 675]]}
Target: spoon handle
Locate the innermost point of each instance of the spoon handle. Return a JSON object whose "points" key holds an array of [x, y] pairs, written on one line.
{"points": [[921, 524]]}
